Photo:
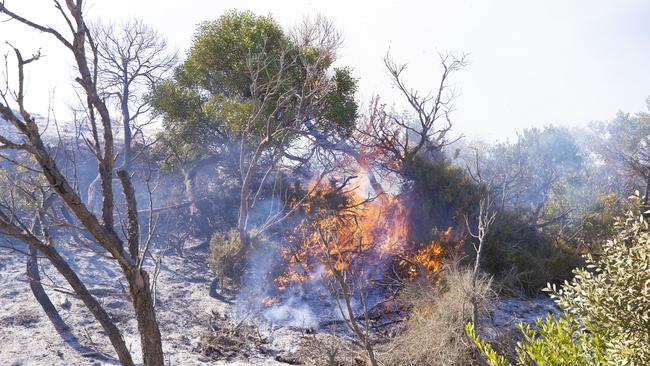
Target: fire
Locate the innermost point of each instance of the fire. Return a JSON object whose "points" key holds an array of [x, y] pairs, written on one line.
{"points": [[347, 232], [429, 257]]}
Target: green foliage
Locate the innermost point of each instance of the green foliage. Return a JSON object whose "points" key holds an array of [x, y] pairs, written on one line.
{"points": [[538, 257], [542, 187], [558, 341], [218, 60], [623, 145], [611, 296], [493, 358], [543, 168], [243, 71], [341, 107], [551, 342], [441, 194], [606, 319]]}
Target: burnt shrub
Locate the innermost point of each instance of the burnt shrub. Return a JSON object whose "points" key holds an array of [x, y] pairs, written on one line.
{"points": [[224, 248]]}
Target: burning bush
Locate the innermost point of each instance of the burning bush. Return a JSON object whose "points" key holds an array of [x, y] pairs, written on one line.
{"points": [[366, 236], [435, 334]]}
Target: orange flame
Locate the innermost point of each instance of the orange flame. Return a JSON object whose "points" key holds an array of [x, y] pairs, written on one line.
{"points": [[356, 234]]}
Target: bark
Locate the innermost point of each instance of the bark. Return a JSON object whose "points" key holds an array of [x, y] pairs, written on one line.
{"points": [[133, 226], [35, 285], [126, 122], [113, 333], [102, 232], [188, 184], [351, 320], [244, 197], [143, 305], [48, 307]]}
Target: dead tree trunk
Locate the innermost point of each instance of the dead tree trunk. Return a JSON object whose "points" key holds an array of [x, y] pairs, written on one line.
{"points": [[114, 334], [35, 285]]}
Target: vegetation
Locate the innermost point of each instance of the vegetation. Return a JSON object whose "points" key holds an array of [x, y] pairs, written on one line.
{"points": [[438, 316], [266, 168], [605, 309]]}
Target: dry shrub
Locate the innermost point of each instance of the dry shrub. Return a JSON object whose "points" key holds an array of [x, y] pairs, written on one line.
{"points": [[223, 251], [436, 328]]}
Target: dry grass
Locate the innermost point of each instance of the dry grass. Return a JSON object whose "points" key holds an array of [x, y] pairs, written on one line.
{"points": [[435, 333]]}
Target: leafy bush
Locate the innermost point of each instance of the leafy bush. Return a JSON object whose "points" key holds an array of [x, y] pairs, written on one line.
{"points": [[611, 297], [606, 319], [538, 257]]}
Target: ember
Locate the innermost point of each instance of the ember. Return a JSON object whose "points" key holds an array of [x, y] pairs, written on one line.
{"points": [[270, 301]]}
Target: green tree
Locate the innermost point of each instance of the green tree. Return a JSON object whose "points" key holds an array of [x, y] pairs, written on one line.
{"points": [[248, 97], [623, 145]]}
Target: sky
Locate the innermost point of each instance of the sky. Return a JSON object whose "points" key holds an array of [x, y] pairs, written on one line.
{"points": [[532, 63]]}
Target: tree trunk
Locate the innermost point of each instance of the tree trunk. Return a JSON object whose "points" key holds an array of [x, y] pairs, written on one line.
{"points": [[143, 305], [41, 296], [50, 310], [126, 123], [89, 301]]}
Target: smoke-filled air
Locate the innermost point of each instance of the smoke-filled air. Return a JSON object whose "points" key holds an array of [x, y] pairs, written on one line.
{"points": [[246, 199]]}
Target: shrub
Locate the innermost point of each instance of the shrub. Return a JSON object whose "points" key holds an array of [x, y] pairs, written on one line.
{"points": [[224, 248], [611, 297], [439, 312], [538, 256], [606, 319]]}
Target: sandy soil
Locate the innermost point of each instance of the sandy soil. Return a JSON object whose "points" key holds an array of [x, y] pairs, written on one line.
{"points": [[183, 307]]}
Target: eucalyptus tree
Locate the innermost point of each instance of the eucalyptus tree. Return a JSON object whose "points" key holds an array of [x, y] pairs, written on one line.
{"points": [[623, 144]]}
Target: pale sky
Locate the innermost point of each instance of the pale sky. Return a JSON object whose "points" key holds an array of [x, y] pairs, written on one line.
{"points": [[532, 62]]}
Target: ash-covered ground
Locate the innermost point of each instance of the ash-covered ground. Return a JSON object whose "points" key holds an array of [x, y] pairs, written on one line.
{"points": [[198, 328]]}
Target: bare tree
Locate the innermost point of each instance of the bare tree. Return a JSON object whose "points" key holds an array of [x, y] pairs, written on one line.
{"points": [[129, 256], [484, 219], [385, 141], [132, 58], [393, 140]]}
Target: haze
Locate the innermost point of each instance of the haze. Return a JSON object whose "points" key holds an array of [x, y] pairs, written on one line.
{"points": [[532, 63]]}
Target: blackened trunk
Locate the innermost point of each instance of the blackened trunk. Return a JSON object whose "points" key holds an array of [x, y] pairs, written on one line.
{"points": [[140, 288]]}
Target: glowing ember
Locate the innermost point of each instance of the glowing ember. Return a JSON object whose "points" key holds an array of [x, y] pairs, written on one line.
{"points": [[270, 301]]}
